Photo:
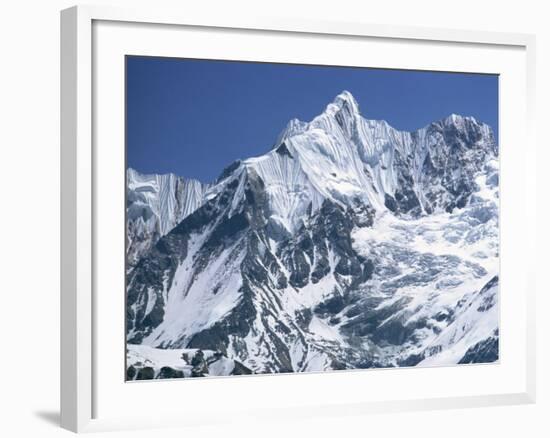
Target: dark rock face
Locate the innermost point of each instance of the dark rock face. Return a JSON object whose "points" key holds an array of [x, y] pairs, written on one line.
{"points": [[489, 300], [459, 150], [131, 373], [483, 352], [456, 151], [405, 199], [306, 255], [240, 370], [228, 171], [237, 323], [145, 373], [170, 373], [200, 366], [283, 150]]}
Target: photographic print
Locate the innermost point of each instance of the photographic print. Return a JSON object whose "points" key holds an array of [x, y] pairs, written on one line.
{"points": [[285, 218]]}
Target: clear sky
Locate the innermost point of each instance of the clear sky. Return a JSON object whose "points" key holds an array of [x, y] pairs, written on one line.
{"points": [[195, 117]]}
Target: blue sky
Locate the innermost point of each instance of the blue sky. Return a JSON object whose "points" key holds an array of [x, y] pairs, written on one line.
{"points": [[194, 117]]}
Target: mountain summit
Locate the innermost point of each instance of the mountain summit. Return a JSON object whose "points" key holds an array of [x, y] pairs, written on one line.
{"points": [[345, 103], [349, 244], [342, 157]]}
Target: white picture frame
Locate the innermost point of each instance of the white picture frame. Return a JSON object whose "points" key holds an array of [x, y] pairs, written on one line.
{"points": [[84, 387]]}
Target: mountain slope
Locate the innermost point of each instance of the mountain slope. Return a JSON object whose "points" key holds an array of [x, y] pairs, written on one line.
{"points": [[155, 204], [348, 245]]}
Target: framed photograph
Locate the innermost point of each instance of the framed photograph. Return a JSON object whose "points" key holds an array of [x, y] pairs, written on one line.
{"points": [[256, 208]]}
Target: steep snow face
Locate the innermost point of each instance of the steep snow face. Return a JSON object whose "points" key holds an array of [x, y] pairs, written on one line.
{"points": [[342, 157], [348, 245], [155, 204]]}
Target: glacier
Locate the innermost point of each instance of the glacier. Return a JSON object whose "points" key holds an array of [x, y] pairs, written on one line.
{"points": [[349, 244]]}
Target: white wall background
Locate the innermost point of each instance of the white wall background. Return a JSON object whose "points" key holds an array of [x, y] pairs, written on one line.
{"points": [[29, 216]]}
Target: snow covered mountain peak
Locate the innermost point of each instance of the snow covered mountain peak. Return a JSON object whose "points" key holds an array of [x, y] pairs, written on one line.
{"points": [[341, 114], [342, 157], [463, 123], [349, 244], [457, 119], [343, 101]]}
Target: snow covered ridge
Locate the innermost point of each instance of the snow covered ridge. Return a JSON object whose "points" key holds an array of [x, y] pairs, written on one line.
{"points": [[155, 204], [348, 245]]}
